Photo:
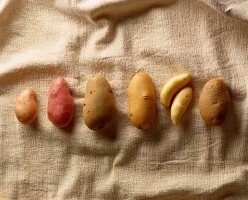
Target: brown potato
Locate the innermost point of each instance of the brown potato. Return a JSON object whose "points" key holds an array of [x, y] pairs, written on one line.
{"points": [[26, 108], [99, 104], [60, 106], [141, 101], [214, 101]]}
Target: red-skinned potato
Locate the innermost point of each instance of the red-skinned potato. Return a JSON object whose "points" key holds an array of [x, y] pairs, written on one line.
{"points": [[60, 103], [25, 107]]}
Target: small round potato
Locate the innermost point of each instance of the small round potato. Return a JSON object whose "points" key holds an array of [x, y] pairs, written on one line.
{"points": [[214, 101], [141, 101], [26, 108], [99, 104]]}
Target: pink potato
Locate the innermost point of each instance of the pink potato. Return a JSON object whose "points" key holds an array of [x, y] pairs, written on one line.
{"points": [[60, 103]]}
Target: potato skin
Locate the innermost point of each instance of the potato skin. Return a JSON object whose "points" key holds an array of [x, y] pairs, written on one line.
{"points": [[214, 101], [172, 87], [141, 101], [180, 104], [26, 108], [60, 107], [99, 104]]}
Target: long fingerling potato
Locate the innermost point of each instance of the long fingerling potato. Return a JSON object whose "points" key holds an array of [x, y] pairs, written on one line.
{"points": [[172, 87], [180, 104]]}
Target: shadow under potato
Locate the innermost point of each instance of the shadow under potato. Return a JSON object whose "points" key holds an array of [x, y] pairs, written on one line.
{"points": [[70, 126], [230, 131], [109, 133]]}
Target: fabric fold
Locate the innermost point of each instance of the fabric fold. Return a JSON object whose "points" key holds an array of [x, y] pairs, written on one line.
{"points": [[232, 8], [41, 40], [119, 9]]}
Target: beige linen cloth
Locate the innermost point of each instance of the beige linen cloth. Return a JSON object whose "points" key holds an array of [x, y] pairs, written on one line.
{"points": [[41, 40]]}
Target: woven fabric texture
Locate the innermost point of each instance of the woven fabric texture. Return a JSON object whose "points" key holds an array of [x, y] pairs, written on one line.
{"points": [[41, 40]]}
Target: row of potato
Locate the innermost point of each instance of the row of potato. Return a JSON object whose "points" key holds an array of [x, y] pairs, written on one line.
{"points": [[99, 106]]}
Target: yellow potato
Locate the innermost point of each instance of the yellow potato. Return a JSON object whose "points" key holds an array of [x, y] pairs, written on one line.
{"points": [[99, 104], [180, 104], [141, 101], [172, 87], [214, 101], [25, 107]]}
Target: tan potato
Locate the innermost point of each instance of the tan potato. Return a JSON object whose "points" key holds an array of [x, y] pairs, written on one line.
{"points": [[214, 101], [60, 106], [26, 108], [170, 88], [99, 104], [141, 101], [180, 104]]}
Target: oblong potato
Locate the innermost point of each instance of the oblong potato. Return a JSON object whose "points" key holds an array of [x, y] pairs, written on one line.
{"points": [[60, 106], [214, 101], [141, 101], [172, 87], [26, 108], [180, 104], [99, 104]]}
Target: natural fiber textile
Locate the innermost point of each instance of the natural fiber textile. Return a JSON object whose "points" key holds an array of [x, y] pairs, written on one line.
{"points": [[41, 40]]}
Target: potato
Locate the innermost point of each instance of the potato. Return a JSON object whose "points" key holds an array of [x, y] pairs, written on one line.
{"points": [[99, 104], [214, 101], [26, 108], [141, 101], [172, 87], [180, 104], [60, 107]]}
